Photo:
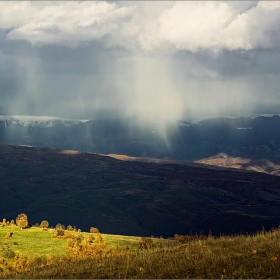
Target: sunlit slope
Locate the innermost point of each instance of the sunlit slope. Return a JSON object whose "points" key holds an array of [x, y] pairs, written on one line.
{"points": [[192, 257], [259, 165], [133, 198], [35, 241]]}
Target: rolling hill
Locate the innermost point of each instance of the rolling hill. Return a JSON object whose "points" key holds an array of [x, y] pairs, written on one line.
{"points": [[132, 197]]}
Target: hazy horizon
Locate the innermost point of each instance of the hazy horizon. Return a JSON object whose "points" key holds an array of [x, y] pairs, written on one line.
{"points": [[164, 60]]}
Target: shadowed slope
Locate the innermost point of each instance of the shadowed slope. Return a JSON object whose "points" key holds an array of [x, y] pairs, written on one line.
{"points": [[133, 198]]}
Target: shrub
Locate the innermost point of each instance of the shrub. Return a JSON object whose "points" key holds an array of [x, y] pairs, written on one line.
{"points": [[7, 252], [90, 238], [146, 243], [44, 224], [9, 234], [69, 235], [94, 230], [86, 246], [70, 228], [60, 232], [59, 226], [22, 221]]}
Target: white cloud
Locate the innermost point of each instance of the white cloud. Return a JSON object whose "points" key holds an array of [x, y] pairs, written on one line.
{"points": [[64, 23], [194, 26], [146, 25]]}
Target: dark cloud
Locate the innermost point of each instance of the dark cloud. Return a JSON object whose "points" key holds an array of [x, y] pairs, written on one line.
{"points": [[131, 65]]}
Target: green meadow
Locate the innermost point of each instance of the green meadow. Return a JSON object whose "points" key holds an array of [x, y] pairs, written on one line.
{"points": [[39, 255], [35, 241]]}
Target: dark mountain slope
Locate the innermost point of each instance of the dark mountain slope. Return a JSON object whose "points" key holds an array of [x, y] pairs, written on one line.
{"points": [[137, 198]]}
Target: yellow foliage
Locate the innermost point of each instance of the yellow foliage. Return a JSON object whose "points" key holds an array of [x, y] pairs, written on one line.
{"points": [[86, 246]]}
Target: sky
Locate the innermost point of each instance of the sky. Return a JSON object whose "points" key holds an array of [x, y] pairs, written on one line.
{"points": [[164, 60]]}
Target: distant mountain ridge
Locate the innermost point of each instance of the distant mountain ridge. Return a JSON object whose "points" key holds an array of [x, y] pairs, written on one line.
{"points": [[37, 121], [245, 137]]}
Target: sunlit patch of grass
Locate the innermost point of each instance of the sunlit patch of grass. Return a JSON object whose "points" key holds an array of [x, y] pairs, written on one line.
{"points": [[33, 241], [240, 256]]}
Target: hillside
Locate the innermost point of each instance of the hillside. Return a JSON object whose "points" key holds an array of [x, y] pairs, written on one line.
{"points": [[259, 165], [34, 253], [133, 198]]}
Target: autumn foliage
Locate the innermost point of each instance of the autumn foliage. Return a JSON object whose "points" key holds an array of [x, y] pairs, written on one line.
{"points": [[22, 221], [44, 224]]}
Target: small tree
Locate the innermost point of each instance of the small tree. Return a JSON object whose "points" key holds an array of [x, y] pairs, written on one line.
{"points": [[12, 223], [70, 228], [59, 226], [44, 224], [94, 230], [22, 221]]}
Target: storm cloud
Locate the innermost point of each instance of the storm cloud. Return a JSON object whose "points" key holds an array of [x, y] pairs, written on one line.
{"points": [[155, 60]]}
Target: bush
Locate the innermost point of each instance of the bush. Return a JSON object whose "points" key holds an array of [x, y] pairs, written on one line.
{"points": [[86, 246], [22, 221], [94, 230], [146, 243], [7, 252], [69, 235], [70, 228], [59, 226], [9, 234], [44, 224], [60, 232]]}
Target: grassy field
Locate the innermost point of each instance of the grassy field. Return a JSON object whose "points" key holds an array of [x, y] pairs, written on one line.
{"points": [[239, 257], [36, 241]]}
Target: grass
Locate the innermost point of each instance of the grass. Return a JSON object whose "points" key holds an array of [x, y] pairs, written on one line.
{"points": [[33, 241], [239, 257], [37, 242]]}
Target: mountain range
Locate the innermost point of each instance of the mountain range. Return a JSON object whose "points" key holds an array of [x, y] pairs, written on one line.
{"points": [[245, 137]]}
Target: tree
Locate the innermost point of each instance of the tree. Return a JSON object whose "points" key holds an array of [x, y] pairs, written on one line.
{"points": [[94, 230], [44, 224], [70, 228], [59, 226], [22, 221]]}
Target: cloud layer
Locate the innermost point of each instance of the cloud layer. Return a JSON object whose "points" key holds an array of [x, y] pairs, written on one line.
{"points": [[185, 25], [153, 59]]}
